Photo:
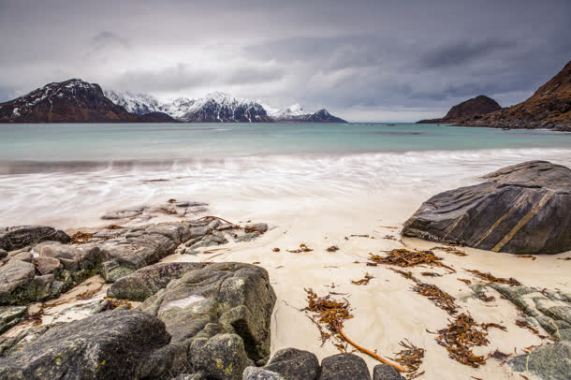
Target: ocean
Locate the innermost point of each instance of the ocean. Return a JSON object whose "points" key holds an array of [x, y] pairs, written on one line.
{"points": [[70, 174]]}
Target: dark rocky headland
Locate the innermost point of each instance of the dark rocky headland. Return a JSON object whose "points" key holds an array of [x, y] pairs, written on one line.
{"points": [[548, 108]]}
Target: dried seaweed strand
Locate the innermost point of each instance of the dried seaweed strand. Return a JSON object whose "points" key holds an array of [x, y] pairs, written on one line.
{"points": [[331, 314]]}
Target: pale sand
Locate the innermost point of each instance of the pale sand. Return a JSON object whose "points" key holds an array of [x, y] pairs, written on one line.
{"points": [[386, 310]]}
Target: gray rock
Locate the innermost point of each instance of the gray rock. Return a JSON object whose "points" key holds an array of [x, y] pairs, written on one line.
{"points": [[343, 367], [552, 361], [247, 237], [15, 276], [22, 256], [46, 265], [212, 239], [258, 227], [10, 316], [221, 357], [139, 251], [294, 364], [12, 238], [145, 282], [230, 299], [549, 309], [520, 209], [17, 343], [257, 373], [124, 214], [110, 345], [386, 372]]}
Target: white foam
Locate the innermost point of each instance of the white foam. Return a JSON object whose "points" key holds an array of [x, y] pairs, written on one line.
{"points": [[240, 185]]}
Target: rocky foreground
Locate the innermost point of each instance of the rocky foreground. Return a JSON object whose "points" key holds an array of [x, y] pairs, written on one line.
{"points": [[159, 320]]}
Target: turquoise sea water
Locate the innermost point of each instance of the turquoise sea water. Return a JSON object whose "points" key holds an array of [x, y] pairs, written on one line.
{"points": [[112, 142], [69, 175]]}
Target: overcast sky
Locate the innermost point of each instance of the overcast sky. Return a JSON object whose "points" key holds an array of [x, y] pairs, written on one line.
{"points": [[377, 60]]}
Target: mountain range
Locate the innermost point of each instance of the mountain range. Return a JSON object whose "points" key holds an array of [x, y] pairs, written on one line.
{"points": [[77, 101], [548, 108]]}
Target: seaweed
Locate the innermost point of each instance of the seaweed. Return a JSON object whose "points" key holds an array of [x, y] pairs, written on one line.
{"points": [[303, 248], [405, 258], [364, 281], [81, 237], [526, 325], [410, 357], [493, 279], [439, 297], [452, 250], [460, 336], [329, 316]]}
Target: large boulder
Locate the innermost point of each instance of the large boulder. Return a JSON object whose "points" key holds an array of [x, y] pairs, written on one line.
{"points": [[145, 282], [118, 344], [12, 238], [222, 309], [524, 208]]}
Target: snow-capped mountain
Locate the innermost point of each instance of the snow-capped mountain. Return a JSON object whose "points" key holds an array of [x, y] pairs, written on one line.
{"points": [[75, 100], [291, 111], [221, 107], [70, 101], [218, 107], [139, 104]]}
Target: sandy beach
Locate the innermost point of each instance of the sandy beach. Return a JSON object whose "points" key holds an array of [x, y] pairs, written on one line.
{"points": [[385, 311]]}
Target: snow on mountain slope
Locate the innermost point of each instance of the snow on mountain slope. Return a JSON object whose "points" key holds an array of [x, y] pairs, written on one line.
{"points": [[139, 104], [291, 111], [216, 107]]}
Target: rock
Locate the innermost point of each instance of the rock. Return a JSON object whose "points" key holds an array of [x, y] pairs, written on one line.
{"points": [[72, 257], [257, 373], [12, 238], [3, 254], [247, 237], [46, 265], [234, 300], [294, 364], [548, 107], [124, 214], [15, 276], [549, 309], [343, 367], [110, 345], [471, 108], [22, 256], [386, 372], [10, 316], [552, 361], [145, 282], [212, 239], [519, 209], [139, 251], [220, 357], [10, 344], [258, 227]]}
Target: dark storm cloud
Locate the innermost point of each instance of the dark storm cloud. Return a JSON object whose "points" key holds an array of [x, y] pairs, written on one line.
{"points": [[463, 52], [358, 58], [106, 39]]}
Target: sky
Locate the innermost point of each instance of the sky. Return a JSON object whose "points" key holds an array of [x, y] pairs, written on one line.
{"points": [[399, 60]]}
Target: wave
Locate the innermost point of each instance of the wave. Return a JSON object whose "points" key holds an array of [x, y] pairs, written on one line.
{"points": [[76, 193]]}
